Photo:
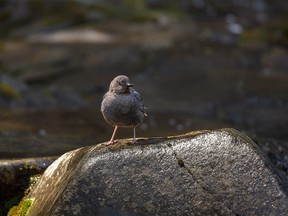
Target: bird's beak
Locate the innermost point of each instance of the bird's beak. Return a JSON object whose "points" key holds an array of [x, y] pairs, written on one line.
{"points": [[129, 85]]}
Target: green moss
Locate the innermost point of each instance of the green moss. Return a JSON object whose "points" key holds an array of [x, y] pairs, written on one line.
{"points": [[74, 14], [33, 178], [252, 38], [276, 31], [2, 48], [8, 91], [71, 12], [26, 178], [22, 209], [135, 11], [142, 16], [10, 203], [33, 181]]}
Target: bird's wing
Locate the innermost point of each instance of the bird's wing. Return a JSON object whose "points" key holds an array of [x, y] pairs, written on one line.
{"points": [[104, 96], [138, 97]]}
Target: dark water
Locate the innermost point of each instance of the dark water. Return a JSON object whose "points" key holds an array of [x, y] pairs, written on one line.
{"points": [[197, 66]]}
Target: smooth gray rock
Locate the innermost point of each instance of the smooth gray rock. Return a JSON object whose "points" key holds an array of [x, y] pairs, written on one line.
{"points": [[217, 172]]}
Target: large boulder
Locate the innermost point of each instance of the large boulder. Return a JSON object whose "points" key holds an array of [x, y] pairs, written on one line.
{"points": [[218, 172]]}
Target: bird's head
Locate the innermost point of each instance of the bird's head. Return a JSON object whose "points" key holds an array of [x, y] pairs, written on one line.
{"points": [[120, 85]]}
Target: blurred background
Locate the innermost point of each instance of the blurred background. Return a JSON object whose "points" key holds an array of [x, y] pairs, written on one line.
{"points": [[198, 64]]}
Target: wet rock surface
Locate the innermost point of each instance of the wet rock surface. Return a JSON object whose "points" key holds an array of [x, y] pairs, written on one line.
{"points": [[202, 173]]}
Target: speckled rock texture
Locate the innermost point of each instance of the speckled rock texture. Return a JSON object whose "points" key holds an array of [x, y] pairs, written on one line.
{"points": [[219, 172]]}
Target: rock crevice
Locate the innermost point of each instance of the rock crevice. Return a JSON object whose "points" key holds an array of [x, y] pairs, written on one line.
{"points": [[182, 165]]}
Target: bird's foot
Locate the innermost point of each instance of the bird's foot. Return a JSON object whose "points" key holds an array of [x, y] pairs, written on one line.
{"points": [[111, 142]]}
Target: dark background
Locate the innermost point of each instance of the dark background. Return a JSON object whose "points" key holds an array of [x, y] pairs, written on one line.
{"points": [[198, 64]]}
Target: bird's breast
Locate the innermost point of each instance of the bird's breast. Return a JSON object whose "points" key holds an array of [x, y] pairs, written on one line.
{"points": [[122, 110]]}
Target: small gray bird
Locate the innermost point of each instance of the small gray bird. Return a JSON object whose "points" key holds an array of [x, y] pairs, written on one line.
{"points": [[122, 106]]}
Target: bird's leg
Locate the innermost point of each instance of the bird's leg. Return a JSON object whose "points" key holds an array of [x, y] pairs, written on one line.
{"points": [[134, 135], [112, 141]]}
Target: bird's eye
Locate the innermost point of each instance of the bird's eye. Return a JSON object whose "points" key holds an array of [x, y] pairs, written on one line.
{"points": [[122, 83]]}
